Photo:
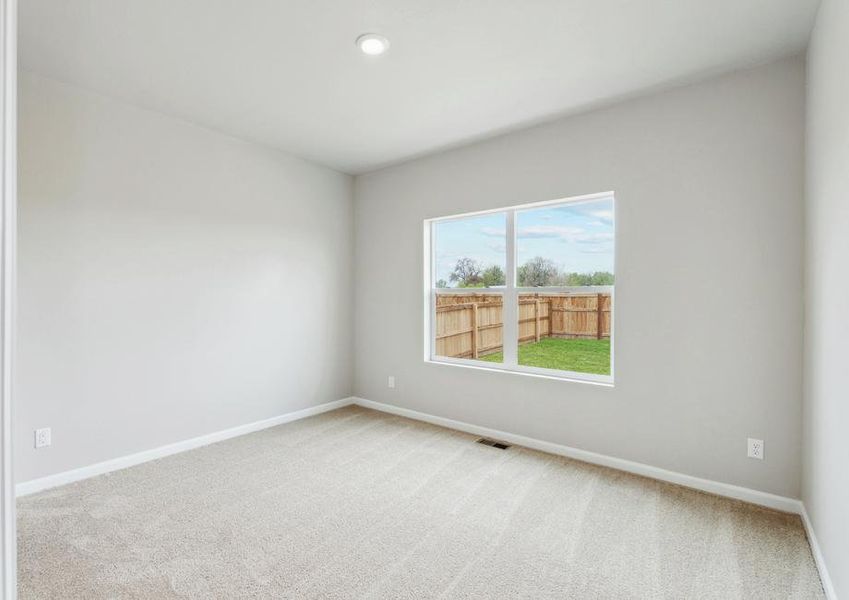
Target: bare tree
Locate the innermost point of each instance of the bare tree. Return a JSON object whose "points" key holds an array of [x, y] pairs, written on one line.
{"points": [[467, 273]]}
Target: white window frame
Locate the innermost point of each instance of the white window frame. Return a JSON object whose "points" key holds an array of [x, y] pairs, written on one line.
{"points": [[510, 293]]}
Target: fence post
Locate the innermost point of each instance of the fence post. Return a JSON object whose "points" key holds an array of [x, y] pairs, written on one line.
{"points": [[600, 321], [536, 319], [475, 330]]}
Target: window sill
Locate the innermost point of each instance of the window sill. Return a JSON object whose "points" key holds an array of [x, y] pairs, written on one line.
{"points": [[568, 376]]}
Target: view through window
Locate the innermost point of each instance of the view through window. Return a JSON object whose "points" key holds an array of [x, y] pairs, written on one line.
{"points": [[540, 277]]}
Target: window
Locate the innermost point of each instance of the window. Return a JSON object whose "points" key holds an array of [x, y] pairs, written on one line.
{"points": [[526, 289]]}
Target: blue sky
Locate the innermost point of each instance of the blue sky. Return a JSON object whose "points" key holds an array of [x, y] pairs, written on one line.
{"points": [[577, 237]]}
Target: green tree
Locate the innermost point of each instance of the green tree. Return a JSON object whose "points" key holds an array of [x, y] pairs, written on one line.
{"points": [[441, 284], [584, 279], [493, 276], [537, 272], [602, 278]]}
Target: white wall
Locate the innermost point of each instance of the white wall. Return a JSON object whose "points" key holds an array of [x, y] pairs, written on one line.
{"points": [[709, 185], [173, 281], [826, 429]]}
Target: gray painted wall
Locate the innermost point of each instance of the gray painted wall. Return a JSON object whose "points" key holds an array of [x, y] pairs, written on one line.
{"points": [[826, 417], [172, 281], [709, 186]]}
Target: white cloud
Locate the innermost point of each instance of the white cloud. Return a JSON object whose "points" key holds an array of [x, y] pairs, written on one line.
{"points": [[594, 238], [550, 231], [605, 216], [494, 231]]}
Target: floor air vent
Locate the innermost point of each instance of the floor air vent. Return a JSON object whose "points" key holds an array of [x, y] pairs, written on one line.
{"points": [[493, 443]]}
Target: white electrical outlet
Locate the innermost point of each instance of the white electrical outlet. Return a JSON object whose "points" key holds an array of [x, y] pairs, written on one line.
{"points": [[42, 437], [756, 449], [391, 382]]}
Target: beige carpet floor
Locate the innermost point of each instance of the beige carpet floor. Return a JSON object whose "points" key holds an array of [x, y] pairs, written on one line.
{"points": [[358, 504]]}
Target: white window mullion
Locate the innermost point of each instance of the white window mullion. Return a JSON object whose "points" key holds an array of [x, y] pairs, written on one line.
{"points": [[430, 291], [510, 307]]}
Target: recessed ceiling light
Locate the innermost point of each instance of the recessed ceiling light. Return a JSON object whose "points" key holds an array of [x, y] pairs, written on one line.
{"points": [[372, 44]]}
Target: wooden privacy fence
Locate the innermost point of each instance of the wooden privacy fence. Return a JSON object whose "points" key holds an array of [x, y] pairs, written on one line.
{"points": [[471, 325]]}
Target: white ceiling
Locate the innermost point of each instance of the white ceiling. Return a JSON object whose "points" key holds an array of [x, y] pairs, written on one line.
{"points": [[286, 72]]}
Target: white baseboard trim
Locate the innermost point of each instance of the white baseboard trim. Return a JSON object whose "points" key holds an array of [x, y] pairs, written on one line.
{"points": [[819, 559], [782, 503], [115, 464]]}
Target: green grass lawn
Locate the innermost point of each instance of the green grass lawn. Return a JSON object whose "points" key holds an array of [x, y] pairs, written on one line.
{"points": [[583, 356]]}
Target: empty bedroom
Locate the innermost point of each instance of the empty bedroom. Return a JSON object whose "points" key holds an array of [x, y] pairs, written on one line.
{"points": [[424, 299]]}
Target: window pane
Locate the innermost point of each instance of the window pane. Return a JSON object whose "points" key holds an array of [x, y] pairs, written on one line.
{"points": [[469, 325], [470, 252], [567, 331], [565, 245], [568, 246]]}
